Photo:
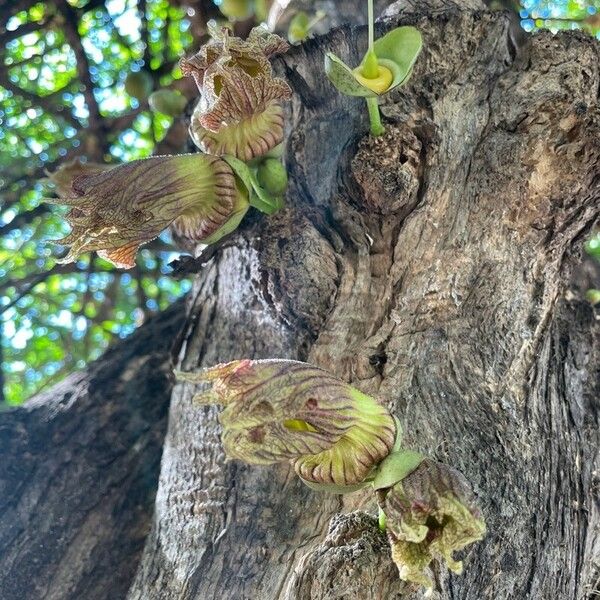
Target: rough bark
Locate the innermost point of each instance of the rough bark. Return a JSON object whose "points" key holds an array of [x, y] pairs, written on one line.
{"points": [[79, 472], [433, 268], [429, 268]]}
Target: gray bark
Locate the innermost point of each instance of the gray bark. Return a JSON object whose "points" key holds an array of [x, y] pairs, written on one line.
{"points": [[436, 268], [79, 472]]}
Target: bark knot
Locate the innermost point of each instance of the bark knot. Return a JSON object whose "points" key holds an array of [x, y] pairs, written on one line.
{"points": [[388, 170]]}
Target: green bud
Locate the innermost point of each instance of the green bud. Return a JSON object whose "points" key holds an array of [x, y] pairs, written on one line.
{"points": [[236, 10], [593, 296], [299, 28], [261, 10], [272, 175], [167, 102], [430, 513], [283, 410], [592, 246], [139, 84]]}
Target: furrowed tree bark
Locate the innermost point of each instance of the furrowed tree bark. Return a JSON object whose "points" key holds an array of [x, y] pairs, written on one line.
{"points": [[79, 472], [438, 268], [429, 268]]}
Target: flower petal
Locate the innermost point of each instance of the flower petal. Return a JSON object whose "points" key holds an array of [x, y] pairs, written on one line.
{"points": [[239, 112], [431, 513], [253, 136], [279, 410], [116, 211], [67, 172], [398, 50]]}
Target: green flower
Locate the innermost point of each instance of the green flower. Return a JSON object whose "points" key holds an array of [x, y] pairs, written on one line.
{"points": [[387, 67], [115, 211], [430, 513], [240, 111], [387, 64], [283, 410]]}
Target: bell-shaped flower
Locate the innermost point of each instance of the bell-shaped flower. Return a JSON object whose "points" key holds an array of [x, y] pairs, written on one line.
{"points": [[385, 67], [115, 211], [239, 112], [284, 410], [430, 513], [62, 179]]}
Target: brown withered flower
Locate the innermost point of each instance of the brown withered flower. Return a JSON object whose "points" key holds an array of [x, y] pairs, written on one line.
{"points": [[430, 513], [284, 410], [115, 211], [239, 112]]}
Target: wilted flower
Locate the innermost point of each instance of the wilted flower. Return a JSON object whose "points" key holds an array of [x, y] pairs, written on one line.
{"points": [[239, 112], [278, 410], [380, 72], [64, 176], [430, 513], [114, 212]]}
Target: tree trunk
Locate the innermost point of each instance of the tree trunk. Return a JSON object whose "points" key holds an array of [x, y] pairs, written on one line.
{"points": [[435, 267], [79, 472]]}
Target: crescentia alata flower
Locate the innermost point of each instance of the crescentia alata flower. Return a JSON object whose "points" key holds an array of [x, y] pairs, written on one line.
{"points": [[67, 172], [114, 212], [284, 410], [430, 514], [394, 56], [239, 112]]}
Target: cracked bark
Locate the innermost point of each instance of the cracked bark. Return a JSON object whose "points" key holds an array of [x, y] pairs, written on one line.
{"points": [[437, 268]]}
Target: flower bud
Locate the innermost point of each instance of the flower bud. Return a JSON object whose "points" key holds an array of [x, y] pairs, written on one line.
{"points": [[239, 112], [271, 174], [299, 28], [167, 102], [116, 211], [430, 513], [593, 296], [592, 246], [139, 84], [280, 410], [237, 10]]}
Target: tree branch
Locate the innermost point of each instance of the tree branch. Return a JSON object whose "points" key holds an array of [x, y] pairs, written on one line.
{"points": [[83, 65], [44, 102], [23, 218]]}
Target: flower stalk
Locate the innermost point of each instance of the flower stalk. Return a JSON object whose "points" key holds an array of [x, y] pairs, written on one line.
{"points": [[386, 65], [377, 127]]}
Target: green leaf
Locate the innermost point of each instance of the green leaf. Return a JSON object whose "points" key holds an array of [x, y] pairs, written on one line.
{"points": [[395, 467]]}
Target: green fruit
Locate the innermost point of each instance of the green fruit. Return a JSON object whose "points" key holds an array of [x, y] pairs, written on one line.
{"points": [[167, 102], [299, 28], [236, 9], [593, 296], [272, 176], [139, 84]]}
